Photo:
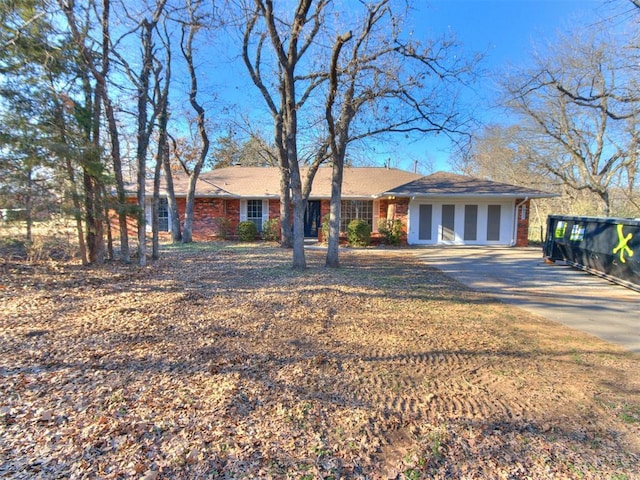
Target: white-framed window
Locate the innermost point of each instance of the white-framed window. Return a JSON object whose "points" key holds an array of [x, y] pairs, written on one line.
{"points": [[356, 209], [256, 211], [163, 214]]}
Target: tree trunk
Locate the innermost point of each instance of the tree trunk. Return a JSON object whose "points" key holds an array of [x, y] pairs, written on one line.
{"points": [[187, 232], [155, 240], [299, 204], [107, 223], [71, 177], [92, 164], [333, 246], [143, 140], [286, 224], [29, 205], [338, 139], [174, 214], [161, 158], [142, 220], [121, 202], [606, 201], [95, 239], [188, 35]]}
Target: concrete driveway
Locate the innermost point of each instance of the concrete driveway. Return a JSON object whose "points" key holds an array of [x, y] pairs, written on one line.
{"points": [[557, 292]]}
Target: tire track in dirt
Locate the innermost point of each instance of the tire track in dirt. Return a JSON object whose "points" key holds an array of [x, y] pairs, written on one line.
{"points": [[426, 386]]}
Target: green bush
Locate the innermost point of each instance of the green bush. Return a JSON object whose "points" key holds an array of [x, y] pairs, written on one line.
{"points": [[247, 231], [358, 233], [271, 230], [391, 231]]}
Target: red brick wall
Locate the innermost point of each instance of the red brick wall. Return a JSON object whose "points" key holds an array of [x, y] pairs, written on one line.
{"points": [[205, 210], [132, 222], [399, 210], [325, 209], [522, 235], [274, 208]]}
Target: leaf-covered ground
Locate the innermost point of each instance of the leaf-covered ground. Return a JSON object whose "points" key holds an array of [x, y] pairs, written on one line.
{"points": [[219, 361]]}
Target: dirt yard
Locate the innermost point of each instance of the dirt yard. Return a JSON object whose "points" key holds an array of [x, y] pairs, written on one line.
{"points": [[219, 361]]}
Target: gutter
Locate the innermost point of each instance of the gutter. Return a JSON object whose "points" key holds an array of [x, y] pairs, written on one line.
{"points": [[514, 238]]}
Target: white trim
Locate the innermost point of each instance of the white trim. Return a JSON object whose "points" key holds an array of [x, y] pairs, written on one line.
{"points": [[375, 216], [243, 210], [265, 211], [148, 214]]}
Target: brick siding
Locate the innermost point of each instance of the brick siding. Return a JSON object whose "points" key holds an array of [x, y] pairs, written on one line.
{"points": [[522, 233]]}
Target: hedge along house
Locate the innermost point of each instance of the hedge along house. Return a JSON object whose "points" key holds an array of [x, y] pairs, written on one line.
{"points": [[441, 208]]}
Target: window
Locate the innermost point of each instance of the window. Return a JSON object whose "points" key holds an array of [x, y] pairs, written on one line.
{"points": [[254, 213], [448, 223], [426, 221], [493, 223], [356, 209], [163, 214], [470, 222]]}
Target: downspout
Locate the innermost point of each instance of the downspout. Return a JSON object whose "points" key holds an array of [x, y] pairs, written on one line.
{"points": [[514, 238]]}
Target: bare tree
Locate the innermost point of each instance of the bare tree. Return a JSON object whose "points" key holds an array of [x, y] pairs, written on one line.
{"points": [[582, 107], [190, 29], [503, 154], [99, 74], [92, 188], [253, 152], [145, 123], [386, 84], [290, 41], [161, 105]]}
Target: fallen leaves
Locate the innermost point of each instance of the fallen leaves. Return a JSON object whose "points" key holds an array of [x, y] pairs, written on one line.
{"points": [[225, 362]]}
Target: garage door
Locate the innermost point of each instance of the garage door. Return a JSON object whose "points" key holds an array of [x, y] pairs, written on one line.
{"points": [[460, 223]]}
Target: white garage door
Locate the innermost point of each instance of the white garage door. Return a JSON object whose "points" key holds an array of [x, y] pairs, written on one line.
{"points": [[460, 223]]}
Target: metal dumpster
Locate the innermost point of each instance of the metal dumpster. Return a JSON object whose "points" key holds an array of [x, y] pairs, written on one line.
{"points": [[607, 247]]}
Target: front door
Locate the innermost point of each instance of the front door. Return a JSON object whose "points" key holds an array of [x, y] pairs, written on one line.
{"points": [[312, 220]]}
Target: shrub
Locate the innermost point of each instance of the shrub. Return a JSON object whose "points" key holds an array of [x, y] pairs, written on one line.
{"points": [[247, 231], [222, 227], [358, 233], [391, 231], [271, 230]]}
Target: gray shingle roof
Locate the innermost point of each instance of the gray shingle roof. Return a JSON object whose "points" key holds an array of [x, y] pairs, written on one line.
{"points": [[445, 184]]}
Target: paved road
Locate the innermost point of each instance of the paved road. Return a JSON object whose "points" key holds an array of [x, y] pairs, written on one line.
{"points": [[557, 292]]}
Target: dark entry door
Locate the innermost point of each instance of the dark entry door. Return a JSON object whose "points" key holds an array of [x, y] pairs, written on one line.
{"points": [[312, 221]]}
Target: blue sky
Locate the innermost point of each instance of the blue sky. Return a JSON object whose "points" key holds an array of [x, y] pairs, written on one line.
{"points": [[506, 30]]}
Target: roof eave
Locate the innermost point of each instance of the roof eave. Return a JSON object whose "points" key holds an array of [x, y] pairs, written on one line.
{"points": [[468, 195]]}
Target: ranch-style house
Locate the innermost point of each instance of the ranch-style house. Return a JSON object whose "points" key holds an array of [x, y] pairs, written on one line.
{"points": [[438, 209]]}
